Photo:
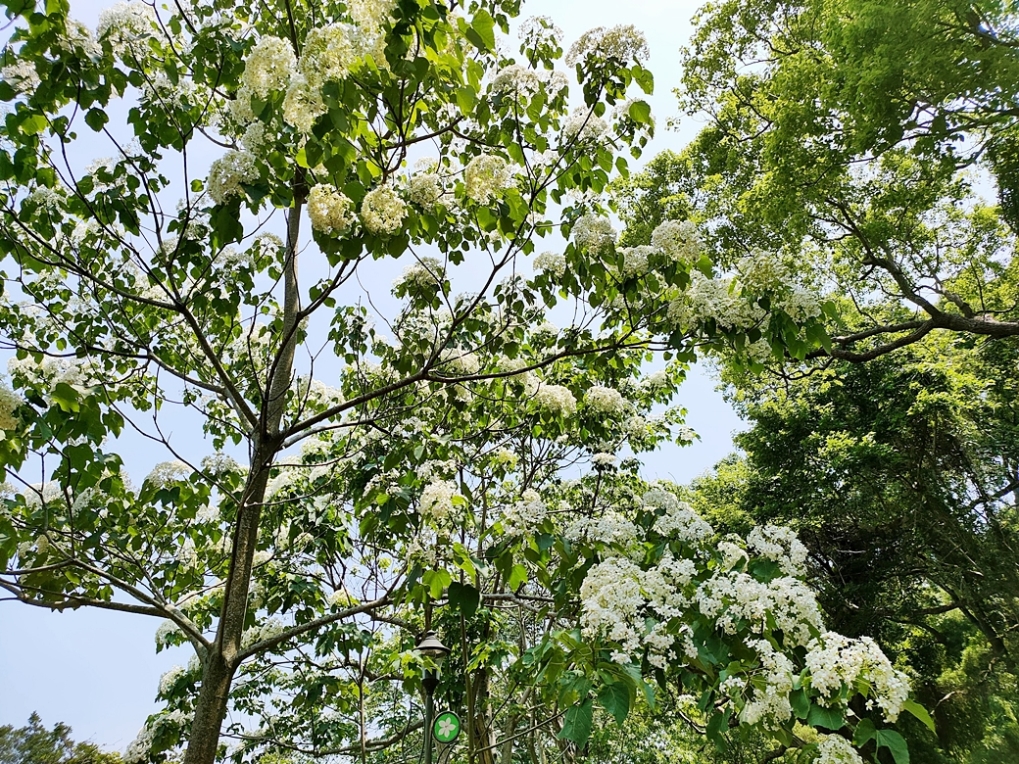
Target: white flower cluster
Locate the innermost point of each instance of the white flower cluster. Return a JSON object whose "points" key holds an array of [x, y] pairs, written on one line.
{"points": [[436, 502], [679, 241], [635, 260], [485, 177], [717, 299], [330, 52], [169, 679], [780, 545], [329, 210], [623, 43], [165, 473], [609, 528], [219, 464], [551, 262], [9, 403], [525, 82], [604, 400], [612, 599], [729, 597], [271, 628], [425, 187], [522, 517], [583, 125], [269, 66], [228, 173], [302, 104], [167, 629], [126, 26], [539, 30], [427, 273], [382, 211], [556, 399], [678, 521], [834, 660], [594, 234], [835, 749], [770, 705], [460, 362], [21, 76]]}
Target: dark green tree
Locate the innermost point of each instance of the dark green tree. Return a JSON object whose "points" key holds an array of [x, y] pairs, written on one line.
{"points": [[34, 744]]}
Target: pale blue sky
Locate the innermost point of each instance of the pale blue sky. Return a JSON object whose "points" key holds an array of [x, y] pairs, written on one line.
{"points": [[97, 671]]}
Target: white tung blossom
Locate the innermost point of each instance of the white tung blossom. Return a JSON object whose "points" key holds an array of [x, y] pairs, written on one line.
{"points": [[556, 399], [834, 660], [621, 43], [21, 76], [604, 400], [551, 262], [436, 502], [228, 173], [485, 177], [269, 66], [679, 241], [329, 210], [382, 211], [302, 105], [594, 234]]}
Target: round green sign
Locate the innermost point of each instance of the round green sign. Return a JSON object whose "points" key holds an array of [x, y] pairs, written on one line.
{"points": [[446, 728]]}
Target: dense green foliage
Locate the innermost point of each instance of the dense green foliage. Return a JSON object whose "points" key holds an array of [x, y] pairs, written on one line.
{"points": [[34, 744]]}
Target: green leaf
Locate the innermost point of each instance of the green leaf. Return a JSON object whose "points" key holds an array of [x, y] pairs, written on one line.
{"points": [[465, 597], [640, 112], [920, 713], [895, 743], [829, 718], [864, 733], [578, 721], [615, 698], [96, 119], [482, 30], [800, 703]]}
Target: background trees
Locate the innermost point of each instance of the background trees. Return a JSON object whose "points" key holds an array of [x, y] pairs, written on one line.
{"points": [[34, 744], [339, 461]]}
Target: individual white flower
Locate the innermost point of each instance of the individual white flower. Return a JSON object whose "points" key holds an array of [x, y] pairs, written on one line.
{"points": [[269, 66], [604, 400], [382, 211], [329, 210], [228, 173], [679, 241], [556, 399], [594, 234], [623, 43], [485, 177]]}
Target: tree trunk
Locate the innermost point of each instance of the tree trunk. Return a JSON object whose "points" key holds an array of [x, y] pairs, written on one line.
{"points": [[221, 662]]}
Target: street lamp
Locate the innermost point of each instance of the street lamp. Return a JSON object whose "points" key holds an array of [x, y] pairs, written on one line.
{"points": [[429, 646]]}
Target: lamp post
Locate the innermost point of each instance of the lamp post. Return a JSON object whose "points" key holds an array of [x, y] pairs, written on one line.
{"points": [[429, 646]]}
